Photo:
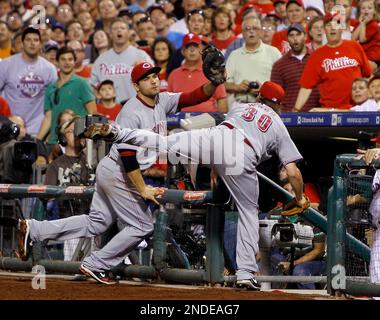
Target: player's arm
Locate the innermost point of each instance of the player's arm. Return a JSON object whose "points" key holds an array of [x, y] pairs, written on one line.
{"points": [[131, 166], [199, 95], [303, 96], [296, 180]]}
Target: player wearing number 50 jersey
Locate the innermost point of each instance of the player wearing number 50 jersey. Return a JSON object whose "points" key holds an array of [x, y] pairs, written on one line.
{"points": [[252, 133]]}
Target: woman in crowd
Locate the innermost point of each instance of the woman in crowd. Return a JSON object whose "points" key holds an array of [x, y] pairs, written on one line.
{"points": [[161, 52], [100, 42]]}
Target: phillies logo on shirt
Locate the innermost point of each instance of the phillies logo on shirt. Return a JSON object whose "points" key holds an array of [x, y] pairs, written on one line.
{"points": [[339, 63], [30, 84], [114, 69]]}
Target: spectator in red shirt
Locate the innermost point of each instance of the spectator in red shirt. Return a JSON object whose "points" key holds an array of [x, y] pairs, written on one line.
{"points": [[269, 29], [288, 70], [222, 35], [190, 76], [295, 13], [333, 67], [107, 105], [368, 31], [5, 110]]}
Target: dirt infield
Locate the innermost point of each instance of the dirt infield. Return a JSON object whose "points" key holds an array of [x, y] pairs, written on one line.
{"points": [[20, 288]]}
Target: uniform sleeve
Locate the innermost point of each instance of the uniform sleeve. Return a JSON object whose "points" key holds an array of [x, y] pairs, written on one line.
{"points": [[169, 100], [128, 118], [287, 150], [311, 74]]}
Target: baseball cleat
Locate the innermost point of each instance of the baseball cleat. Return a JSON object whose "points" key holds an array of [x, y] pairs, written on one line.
{"points": [[24, 241], [101, 277], [249, 284]]}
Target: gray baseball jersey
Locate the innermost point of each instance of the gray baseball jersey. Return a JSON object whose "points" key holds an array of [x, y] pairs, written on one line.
{"points": [[266, 132], [137, 115], [118, 67]]}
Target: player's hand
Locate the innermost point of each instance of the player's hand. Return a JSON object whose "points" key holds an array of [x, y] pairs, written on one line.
{"points": [[284, 266], [153, 193], [103, 131], [243, 86], [369, 154]]}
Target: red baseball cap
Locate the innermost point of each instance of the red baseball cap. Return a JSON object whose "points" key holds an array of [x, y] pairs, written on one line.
{"points": [[299, 2], [272, 91], [329, 17], [142, 70], [191, 38], [204, 39]]}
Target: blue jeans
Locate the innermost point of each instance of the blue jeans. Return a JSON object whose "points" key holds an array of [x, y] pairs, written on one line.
{"points": [[309, 268]]}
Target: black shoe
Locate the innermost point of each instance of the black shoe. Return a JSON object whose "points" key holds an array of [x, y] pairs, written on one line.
{"points": [[24, 242], [250, 284], [102, 277]]}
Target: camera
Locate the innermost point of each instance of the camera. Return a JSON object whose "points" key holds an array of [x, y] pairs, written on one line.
{"points": [[25, 152], [83, 122], [8, 130], [292, 235], [254, 85]]}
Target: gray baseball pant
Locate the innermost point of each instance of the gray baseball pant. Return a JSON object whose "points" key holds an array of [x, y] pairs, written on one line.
{"points": [[235, 162], [114, 198]]}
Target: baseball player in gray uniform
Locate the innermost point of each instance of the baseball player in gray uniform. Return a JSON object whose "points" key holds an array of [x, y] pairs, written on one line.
{"points": [[258, 133], [120, 191]]}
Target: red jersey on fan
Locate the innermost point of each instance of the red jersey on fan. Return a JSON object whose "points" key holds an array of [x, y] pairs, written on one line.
{"points": [[372, 45], [110, 113], [222, 44], [334, 69], [5, 110]]}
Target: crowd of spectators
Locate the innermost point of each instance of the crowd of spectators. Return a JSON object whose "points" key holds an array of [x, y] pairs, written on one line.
{"points": [[79, 55]]}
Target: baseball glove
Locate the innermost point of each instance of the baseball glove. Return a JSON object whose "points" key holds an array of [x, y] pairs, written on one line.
{"points": [[292, 208], [102, 131], [214, 65]]}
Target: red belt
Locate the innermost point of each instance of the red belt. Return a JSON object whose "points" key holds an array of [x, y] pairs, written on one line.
{"points": [[230, 126]]}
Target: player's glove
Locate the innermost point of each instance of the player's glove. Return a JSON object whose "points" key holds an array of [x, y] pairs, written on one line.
{"points": [[103, 131], [293, 207], [214, 65]]}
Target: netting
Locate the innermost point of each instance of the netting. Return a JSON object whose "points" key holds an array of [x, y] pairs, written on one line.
{"points": [[358, 220]]}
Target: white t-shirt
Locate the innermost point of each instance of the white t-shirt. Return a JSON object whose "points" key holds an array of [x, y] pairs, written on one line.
{"points": [[118, 67], [369, 105]]}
